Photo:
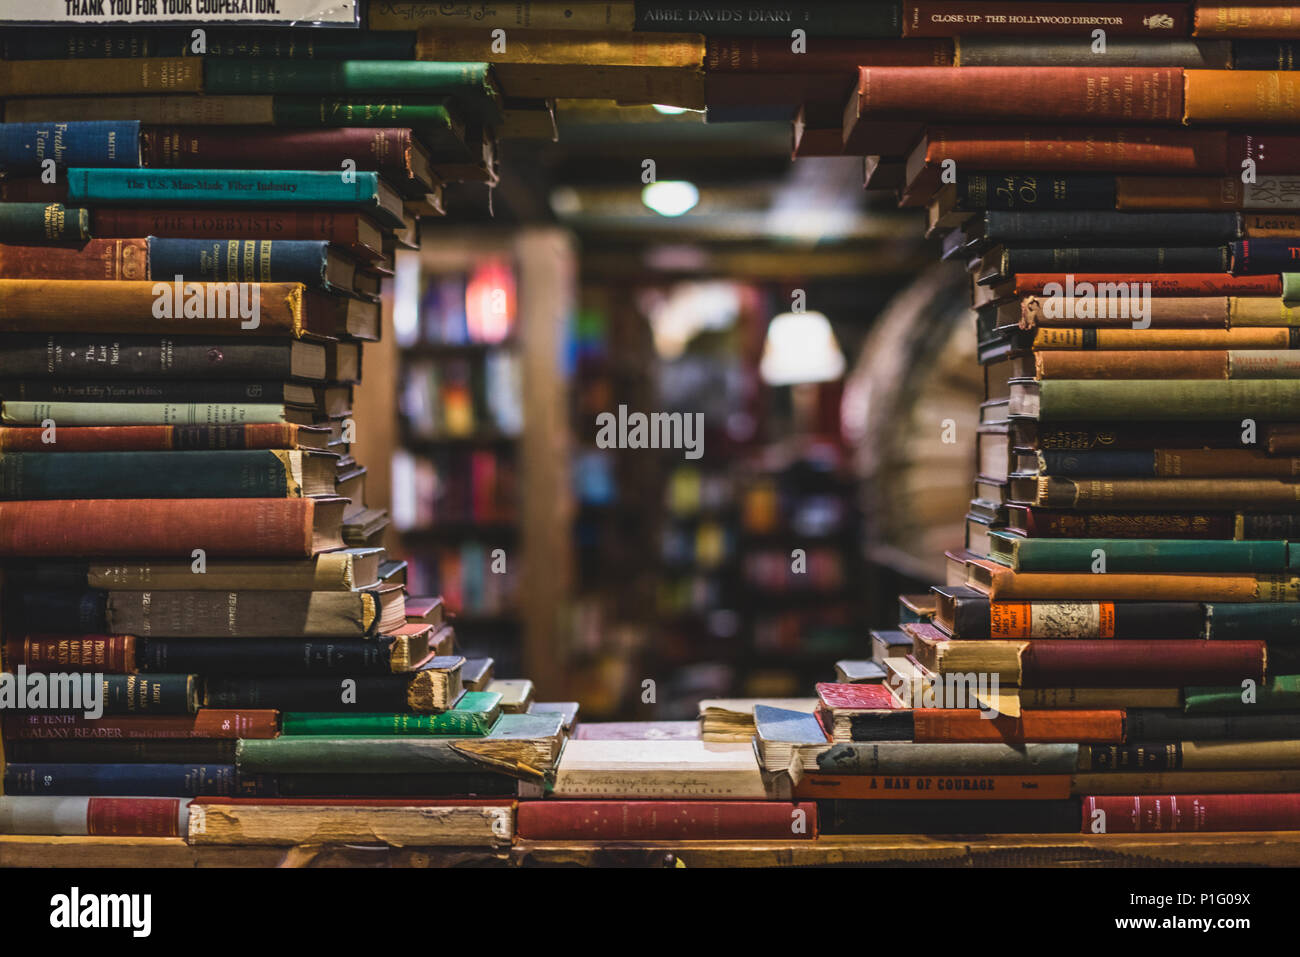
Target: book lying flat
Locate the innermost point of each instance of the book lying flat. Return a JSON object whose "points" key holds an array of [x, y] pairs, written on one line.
{"points": [[661, 769]]}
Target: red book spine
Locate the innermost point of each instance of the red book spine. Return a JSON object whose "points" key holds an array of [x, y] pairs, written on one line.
{"points": [[1138, 663], [205, 723], [1091, 94], [664, 820], [1073, 148], [1048, 523], [134, 816], [98, 259], [219, 223], [966, 725], [386, 150], [269, 528], [1162, 284], [111, 654], [1156, 813], [823, 55], [148, 438], [943, 18]]}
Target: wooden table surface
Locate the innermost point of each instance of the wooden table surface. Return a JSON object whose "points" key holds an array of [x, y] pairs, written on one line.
{"points": [[1253, 849]]}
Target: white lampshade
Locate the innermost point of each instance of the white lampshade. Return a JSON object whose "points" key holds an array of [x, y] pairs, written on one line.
{"points": [[800, 347]]}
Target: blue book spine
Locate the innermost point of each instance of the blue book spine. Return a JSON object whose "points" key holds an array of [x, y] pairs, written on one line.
{"points": [[25, 146], [1262, 257], [239, 260], [241, 473], [228, 187], [51, 611], [1111, 463], [122, 780]]}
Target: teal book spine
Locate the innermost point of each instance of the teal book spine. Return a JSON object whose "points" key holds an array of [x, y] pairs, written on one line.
{"points": [[43, 223], [315, 77], [1280, 693], [1252, 621], [452, 724], [240, 473], [1139, 555], [318, 754]]}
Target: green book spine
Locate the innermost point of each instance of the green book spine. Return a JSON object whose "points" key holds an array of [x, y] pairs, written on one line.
{"points": [[312, 754], [1212, 399], [427, 114], [1252, 621], [315, 77], [43, 222], [1138, 555], [1280, 693], [1291, 288], [458, 724]]}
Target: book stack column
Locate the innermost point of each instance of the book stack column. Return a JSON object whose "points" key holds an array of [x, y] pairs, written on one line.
{"points": [[195, 605], [1114, 649]]}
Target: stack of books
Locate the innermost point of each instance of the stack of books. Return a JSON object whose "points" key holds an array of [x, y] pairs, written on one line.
{"points": [[195, 603], [1113, 649]]}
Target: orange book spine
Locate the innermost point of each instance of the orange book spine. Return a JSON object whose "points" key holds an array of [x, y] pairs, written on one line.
{"points": [[1266, 21], [1241, 96], [1178, 192], [150, 438], [1007, 585], [114, 259], [934, 787], [1271, 224], [968, 725], [1142, 364], [1148, 340]]}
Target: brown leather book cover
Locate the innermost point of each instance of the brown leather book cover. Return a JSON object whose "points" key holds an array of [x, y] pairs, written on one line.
{"points": [[946, 18], [1162, 284], [1268, 21], [111, 654], [934, 725], [1241, 96], [205, 723], [127, 75], [98, 259], [1002, 584], [148, 438], [1178, 192], [1141, 364]]}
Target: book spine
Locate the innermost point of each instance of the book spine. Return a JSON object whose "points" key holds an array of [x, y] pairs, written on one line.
{"points": [[1181, 399], [943, 18], [264, 656], [104, 475], [737, 54], [99, 259], [364, 111], [1191, 756], [1113, 149], [94, 816], [982, 51], [106, 653], [1247, 620], [310, 754], [665, 820], [450, 723], [73, 356], [99, 414], [1121, 463], [1279, 693], [70, 305], [238, 260], [234, 187], [1221, 283], [43, 222], [208, 723], [1044, 727], [250, 614], [892, 757], [1069, 227], [1150, 813], [24, 147], [150, 694], [145, 390], [413, 14], [1145, 259], [1265, 55], [338, 228], [1055, 523], [427, 78], [1035, 191], [156, 780], [1157, 555], [770, 18], [121, 751], [1160, 725], [447, 784], [70, 77], [144, 438], [1138, 663], [1125, 435], [1097, 94], [157, 528], [386, 150], [1147, 341], [914, 787], [1265, 256], [1241, 96], [89, 43], [371, 694], [1269, 20], [939, 817], [1041, 619]]}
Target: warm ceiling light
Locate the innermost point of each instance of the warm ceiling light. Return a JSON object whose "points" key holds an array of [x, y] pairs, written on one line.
{"points": [[800, 347], [671, 197], [669, 110]]}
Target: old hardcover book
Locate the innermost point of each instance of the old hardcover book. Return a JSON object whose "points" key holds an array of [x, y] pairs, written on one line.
{"points": [[254, 614], [949, 817], [261, 528], [1133, 555], [661, 769], [732, 719], [1259, 19], [106, 816], [934, 787], [1240, 96], [122, 751], [906, 757], [64, 77], [1143, 813], [146, 438], [269, 657], [950, 18], [1076, 50], [787, 740], [118, 259], [24, 147], [347, 570], [771, 18], [474, 712], [206, 723], [1190, 756], [43, 223], [524, 745], [516, 693], [111, 780], [530, 15], [665, 820], [286, 821]]}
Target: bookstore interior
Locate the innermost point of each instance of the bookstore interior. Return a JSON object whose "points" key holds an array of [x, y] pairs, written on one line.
{"points": [[649, 433]]}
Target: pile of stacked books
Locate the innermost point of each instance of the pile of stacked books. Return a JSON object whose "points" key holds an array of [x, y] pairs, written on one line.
{"points": [[195, 605], [1114, 649]]}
